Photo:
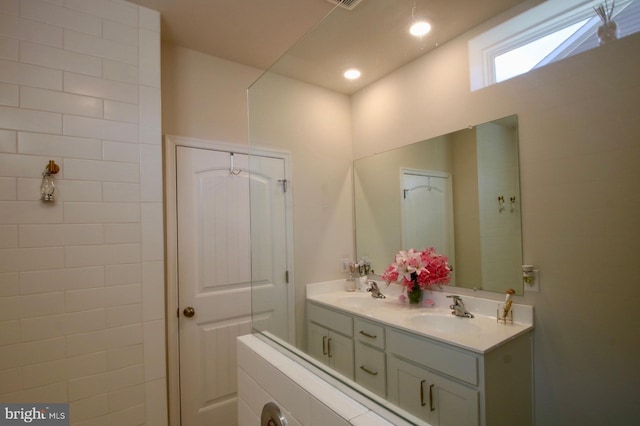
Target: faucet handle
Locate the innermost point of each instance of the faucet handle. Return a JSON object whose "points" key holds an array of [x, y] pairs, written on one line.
{"points": [[455, 298]]}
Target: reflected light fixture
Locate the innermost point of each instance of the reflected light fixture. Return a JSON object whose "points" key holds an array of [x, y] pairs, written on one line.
{"points": [[352, 74], [419, 28]]}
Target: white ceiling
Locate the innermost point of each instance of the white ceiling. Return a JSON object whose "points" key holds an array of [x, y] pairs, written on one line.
{"points": [[257, 32]]}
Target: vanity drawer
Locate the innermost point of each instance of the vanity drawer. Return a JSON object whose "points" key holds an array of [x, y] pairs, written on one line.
{"points": [[451, 361], [369, 333], [331, 319], [370, 367]]}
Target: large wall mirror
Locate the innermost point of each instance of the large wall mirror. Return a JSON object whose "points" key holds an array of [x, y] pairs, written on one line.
{"points": [[459, 193]]}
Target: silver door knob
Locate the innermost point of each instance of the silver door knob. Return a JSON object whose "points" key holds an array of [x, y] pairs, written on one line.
{"points": [[189, 312]]}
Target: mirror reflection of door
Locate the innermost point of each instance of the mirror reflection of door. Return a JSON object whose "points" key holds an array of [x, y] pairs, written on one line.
{"points": [[426, 211]]}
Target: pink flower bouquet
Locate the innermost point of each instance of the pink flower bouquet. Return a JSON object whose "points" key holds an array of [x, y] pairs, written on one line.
{"points": [[424, 268]]}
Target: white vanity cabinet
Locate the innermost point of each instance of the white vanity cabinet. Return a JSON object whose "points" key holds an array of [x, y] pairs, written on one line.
{"points": [[330, 338]]}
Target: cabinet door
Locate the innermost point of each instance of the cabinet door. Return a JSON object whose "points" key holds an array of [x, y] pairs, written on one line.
{"points": [[317, 338], [431, 397], [453, 404], [340, 353]]}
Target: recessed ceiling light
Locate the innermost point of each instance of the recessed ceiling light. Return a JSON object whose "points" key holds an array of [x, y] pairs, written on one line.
{"points": [[420, 28], [352, 74]]}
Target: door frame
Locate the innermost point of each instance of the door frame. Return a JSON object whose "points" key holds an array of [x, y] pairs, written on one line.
{"points": [[171, 143]]}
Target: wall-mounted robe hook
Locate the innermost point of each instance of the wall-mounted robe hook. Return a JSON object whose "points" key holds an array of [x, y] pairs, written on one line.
{"points": [[500, 203], [513, 204], [231, 166], [47, 188]]}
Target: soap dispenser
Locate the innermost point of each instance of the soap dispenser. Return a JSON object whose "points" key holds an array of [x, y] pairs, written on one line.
{"points": [[350, 284]]}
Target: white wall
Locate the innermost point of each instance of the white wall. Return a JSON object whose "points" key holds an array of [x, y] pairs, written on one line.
{"points": [[579, 153], [82, 279]]}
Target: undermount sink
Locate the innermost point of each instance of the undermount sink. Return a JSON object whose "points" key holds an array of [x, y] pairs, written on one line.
{"points": [[442, 322]]}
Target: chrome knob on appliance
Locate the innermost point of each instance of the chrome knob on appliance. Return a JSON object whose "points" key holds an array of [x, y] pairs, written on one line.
{"points": [[189, 312]]}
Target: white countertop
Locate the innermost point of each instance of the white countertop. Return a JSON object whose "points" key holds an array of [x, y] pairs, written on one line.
{"points": [[479, 334]]}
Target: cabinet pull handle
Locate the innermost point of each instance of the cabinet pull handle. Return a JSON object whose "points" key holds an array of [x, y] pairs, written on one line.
{"points": [[329, 347], [366, 370], [364, 333], [422, 403], [324, 345], [431, 398]]}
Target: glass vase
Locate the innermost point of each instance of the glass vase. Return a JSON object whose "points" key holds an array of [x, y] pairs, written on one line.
{"points": [[414, 294]]}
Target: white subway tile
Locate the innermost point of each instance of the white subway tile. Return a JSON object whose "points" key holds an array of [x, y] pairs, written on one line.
{"points": [[80, 190], [123, 336], [153, 290], [156, 402], [124, 73], [102, 129], [121, 33], [86, 365], [150, 116], [8, 234], [25, 29], [128, 417], [54, 393], [44, 374], [107, 89], [42, 327], [10, 308], [41, 235], [97, 46], [9, 94], [35, 121], [9, 48], [126, 377], [9, 284], [118, 316], [154, 353], [37, 305], [83, 234], [121, 111], [8, 141], [31, 259], [60, 59], [150, 58], [10, 6], [59, 16], [30, 75], [127, 397], [66, 103], [123, 274], [120, 295], [90, 408], [125, 356], [82, 322], [101, 212], [59, 146], [41, 351], [29, 190], [10, 380], [106, 9], [23, 165], [152, 231], [149, 19], [109, 171], [88, 386], [151, 188], [120, 233], [84, 299], [61, 279], [121, 192], [9, 332], [120, 151], [8, 190], [85, 343], [111, 254], [20, 212]]}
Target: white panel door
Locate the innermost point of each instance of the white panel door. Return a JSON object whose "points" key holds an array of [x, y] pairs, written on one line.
{"points": [[214, 280]]}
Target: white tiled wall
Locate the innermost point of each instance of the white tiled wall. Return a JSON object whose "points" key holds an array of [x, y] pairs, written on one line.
{"points": [[82, 279], [266, 375]]}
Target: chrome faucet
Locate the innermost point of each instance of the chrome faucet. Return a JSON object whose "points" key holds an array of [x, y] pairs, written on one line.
{"points": [[458, 307], [374, 290]]}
